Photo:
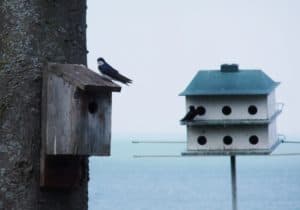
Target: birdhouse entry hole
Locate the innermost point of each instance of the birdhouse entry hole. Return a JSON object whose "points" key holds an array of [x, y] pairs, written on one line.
{"points": [[226, 110], [252, 110], [227, 140], [93, 107], [201, 140], [253, 139], [201, 110]]}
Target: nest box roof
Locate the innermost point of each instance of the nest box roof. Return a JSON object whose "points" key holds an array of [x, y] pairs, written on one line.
{"points": [[230, 81], [82, 77]]}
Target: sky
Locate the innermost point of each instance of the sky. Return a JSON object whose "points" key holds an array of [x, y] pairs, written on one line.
{"points": [[161, 44]]}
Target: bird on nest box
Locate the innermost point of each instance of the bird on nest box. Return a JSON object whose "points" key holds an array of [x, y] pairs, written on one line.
{"points": [[110, 73]]}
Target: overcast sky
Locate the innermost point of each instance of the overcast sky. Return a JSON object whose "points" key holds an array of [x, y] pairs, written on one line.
{"points": [[161, 44]]}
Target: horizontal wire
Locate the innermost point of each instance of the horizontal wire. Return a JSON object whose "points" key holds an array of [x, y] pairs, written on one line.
{"points": [[182, 142], [291, 142], [157, 156], [158, 142], [285, 154], [184, 156]]}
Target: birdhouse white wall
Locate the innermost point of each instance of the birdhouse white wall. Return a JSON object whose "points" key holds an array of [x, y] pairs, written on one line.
{"points": [[234, 112], [239, 139], [272, 132], [234, 107], [271, 104], [221, 137], [230, 107]]}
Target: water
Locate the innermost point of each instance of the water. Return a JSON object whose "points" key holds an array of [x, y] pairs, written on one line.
{"points": [[121, 182]]}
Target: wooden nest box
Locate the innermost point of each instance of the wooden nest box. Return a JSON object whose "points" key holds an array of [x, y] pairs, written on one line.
{"points": [[76, 121], [76, 111]]}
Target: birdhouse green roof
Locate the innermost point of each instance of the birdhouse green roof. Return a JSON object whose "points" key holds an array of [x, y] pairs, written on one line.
{"points": [[230, 81]]}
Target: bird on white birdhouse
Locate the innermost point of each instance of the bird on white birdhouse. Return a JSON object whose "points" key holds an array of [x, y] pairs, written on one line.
{"points": [[192, 113]]}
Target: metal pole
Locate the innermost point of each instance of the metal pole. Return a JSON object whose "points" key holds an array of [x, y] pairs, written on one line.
{"points": [[233, 182]]}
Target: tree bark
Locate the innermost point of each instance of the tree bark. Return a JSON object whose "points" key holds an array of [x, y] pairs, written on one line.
{"points": [[33, 32]]}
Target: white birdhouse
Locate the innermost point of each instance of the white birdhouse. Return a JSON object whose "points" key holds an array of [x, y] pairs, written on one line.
{"points": [[230, 112]]}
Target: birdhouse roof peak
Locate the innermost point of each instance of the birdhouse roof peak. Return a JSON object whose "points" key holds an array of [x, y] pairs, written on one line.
{"points": [[230, 81], [229, 68]]}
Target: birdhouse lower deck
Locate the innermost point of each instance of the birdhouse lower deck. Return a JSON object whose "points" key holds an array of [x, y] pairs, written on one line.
{"points": [[232, 139]]}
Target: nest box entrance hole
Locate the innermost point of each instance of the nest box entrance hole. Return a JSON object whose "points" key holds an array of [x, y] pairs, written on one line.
{"points": [[93, 107]]}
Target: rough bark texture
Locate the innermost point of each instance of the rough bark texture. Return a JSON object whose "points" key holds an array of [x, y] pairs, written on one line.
{"points": [[33, 32]]}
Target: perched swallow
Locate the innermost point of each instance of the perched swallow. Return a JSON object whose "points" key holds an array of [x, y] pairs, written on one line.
{"points": [[110, 73], [190, 115]]}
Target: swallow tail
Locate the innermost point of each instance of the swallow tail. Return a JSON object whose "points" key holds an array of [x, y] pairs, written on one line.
{"points": [[189, 116], [122, 79]]}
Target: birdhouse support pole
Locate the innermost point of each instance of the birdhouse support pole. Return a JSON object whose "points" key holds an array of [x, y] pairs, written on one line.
{"points": [[233, 182]]}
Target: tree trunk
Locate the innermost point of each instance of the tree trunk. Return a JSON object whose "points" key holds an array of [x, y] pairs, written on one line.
{"points": [[33, 32]]}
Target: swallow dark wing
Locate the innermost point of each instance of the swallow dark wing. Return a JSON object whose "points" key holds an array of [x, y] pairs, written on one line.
{"points": [[190, 115], [114, 74]]}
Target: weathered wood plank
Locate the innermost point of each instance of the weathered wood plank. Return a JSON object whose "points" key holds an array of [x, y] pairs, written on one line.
{"points": [[56, 171], [44, 128], [99, 125], [58, 115], [91, 117]]}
